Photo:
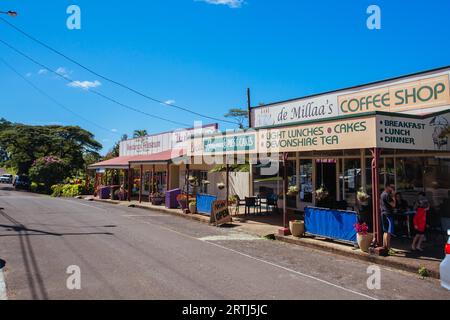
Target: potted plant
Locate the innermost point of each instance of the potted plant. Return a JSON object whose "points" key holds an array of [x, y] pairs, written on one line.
{"points": [[193, 207], [363, 237], [292, 191], [297, 227], [362, 196], [157, 198], [182, 201], [321, 193], [192, 179]]}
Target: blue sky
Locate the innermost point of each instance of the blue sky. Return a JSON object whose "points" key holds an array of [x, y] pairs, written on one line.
{"points": [[204, 55]]}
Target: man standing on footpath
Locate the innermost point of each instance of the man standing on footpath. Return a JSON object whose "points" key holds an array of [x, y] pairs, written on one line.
{"points": [[387, 204]]}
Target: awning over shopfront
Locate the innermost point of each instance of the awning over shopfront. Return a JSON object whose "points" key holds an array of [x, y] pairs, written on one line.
{"points": [[115, 163], [164, 157], [156, 158]]}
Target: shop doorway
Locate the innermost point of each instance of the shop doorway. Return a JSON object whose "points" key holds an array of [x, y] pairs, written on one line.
{"points": [[326, 176]]}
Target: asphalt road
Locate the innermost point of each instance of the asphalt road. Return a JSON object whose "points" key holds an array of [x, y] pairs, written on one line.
{"points": [[129, 253]]}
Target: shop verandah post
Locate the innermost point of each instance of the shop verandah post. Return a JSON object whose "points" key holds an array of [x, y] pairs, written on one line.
{"points": [[378, 241]]}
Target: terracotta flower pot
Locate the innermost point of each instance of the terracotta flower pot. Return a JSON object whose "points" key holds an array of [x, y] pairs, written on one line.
{"points": [[192, 208], [364, 241], [297, 228]]}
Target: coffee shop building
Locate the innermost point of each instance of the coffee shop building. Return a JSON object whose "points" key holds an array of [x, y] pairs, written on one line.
{"points": [[353, 140]]}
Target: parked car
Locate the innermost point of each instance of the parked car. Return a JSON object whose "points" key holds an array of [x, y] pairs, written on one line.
{"points": [[6, 178], [445, 265], [22, 182]]}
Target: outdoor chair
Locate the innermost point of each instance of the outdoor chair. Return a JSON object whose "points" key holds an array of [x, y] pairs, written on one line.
{"points": [[272, 202], [239, 202], [252, 202]]}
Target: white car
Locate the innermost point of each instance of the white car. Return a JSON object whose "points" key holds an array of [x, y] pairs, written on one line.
{"points": [[6, 178], [445, 265]]}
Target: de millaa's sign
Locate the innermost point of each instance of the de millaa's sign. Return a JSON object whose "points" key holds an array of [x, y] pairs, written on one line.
{"points": [[162, 142], [416, 94]]}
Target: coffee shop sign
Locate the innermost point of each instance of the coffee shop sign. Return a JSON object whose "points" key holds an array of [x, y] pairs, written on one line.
{"points": [[421, 93]]}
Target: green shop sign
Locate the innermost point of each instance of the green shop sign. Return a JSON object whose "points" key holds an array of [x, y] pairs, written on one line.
{"points": [[220, 144]]}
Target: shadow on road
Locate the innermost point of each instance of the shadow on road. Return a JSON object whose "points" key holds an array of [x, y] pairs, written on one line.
{"points": [[33, 273]]}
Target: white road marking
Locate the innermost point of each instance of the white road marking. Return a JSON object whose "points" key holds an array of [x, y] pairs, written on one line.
{"points": [[266, 262], [3, 295]]}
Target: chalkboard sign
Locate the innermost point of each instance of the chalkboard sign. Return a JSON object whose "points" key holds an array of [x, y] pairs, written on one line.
{"points": [[220, 212]]}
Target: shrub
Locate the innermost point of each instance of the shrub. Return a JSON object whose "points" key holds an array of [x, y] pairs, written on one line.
{"points": [[67, 190], [38, 188], [57, 190]]}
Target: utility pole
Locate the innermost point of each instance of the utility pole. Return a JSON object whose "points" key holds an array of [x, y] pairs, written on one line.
{"points": [[249, 106]]}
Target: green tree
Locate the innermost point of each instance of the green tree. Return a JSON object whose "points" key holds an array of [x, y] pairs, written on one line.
{"points": [[48, 171], [115, 151], [240, 115], [139, 133], [24, 144]]}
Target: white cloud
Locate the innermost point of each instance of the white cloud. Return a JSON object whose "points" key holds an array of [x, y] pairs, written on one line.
{"points": [[42, 71], [62, 71], [230, 3], [113, 130], [170, 101], [29, 74], [86, 85]]}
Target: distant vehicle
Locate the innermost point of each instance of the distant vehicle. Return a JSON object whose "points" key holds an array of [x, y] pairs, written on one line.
{"points": [[445, 265], [22, 182], [6, 178]]}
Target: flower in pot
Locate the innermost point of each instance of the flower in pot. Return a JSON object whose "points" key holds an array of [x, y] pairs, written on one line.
{"points": [[193, 207], [220, 186], [297, 228], [321, 193], [292, 191], [363, 237]]}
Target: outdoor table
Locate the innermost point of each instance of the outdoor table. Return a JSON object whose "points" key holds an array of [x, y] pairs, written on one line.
{"points": [[408, 214]]}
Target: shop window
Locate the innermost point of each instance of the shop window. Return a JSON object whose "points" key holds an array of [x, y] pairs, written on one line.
{"points": [[291, 201], [350, 180], [306, 181], [160, 181], [200, 176]]}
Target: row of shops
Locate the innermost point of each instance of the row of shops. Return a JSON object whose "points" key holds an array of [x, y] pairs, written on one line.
{"points": [[327, 148]]}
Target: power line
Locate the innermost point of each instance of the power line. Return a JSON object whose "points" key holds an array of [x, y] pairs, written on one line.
{"points": [[69, 80], [42, 92], [109, 79]]}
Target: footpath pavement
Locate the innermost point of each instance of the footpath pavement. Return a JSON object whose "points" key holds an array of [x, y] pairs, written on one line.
{"points": [[267, 226]]}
